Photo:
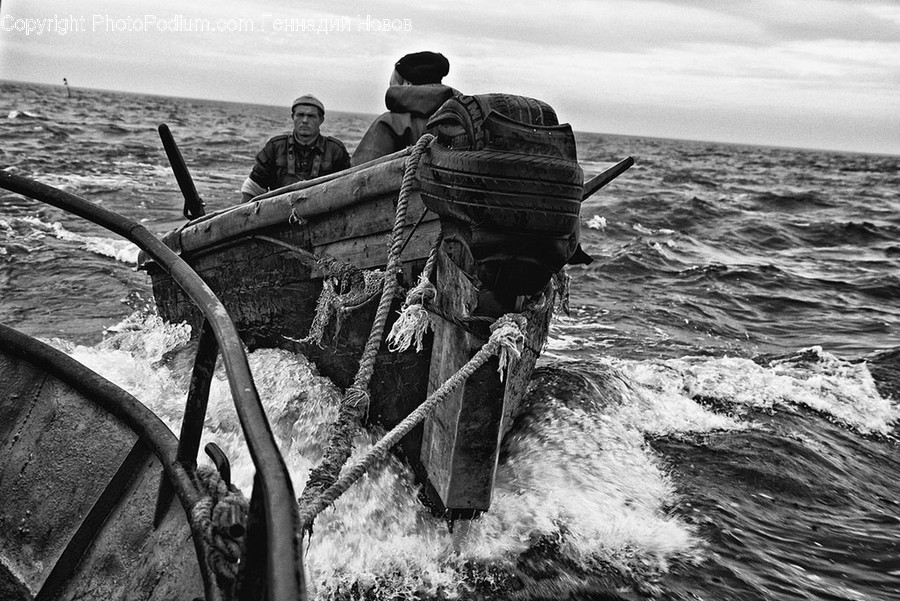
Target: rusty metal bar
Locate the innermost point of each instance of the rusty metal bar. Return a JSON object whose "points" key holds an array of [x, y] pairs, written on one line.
{"points": [[284, 574], [194, 414], [220, 460], [250, 585]]}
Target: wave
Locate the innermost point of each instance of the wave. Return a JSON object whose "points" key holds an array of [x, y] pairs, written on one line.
{"points": [[811, 378], [792, 201], [848, 232], [689, 177], [575, 477], [24, 232], [582, 502], [13, 114]]}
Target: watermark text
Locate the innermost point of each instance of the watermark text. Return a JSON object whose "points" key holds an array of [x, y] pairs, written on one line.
{"points": [[109, 24]]}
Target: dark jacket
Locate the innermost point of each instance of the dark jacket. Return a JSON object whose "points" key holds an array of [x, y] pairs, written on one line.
{"points": [[409, 109], [274, 169]]}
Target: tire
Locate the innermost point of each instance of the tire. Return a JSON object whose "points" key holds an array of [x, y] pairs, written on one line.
{"points": [[513, 182], [459, 123], [516, 193]]}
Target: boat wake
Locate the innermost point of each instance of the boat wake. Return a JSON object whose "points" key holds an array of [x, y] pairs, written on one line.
{"points": [[584, 503], [577, 490]]}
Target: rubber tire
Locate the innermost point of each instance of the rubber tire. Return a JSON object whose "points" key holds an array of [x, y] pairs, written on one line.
{"points": [[459, 122], [503, 191]]}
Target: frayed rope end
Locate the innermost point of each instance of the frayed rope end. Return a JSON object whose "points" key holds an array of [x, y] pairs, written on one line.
{"points": [[412, 325], [509, 333]]}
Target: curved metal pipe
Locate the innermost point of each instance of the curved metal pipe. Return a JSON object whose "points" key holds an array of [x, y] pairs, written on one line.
{"points": [[284, 574]]}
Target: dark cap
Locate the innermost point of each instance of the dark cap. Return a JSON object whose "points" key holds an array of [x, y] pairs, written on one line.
{"points": [[311, 101], [423, 67]]}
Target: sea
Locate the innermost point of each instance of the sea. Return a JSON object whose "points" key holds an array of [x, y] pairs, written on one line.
{"points": [[715, 418]]}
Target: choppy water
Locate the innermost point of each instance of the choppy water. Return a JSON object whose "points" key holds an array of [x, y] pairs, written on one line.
{"points": [[716, 419]]}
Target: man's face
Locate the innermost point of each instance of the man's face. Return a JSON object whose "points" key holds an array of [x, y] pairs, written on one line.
{"points": [[306, 122]]}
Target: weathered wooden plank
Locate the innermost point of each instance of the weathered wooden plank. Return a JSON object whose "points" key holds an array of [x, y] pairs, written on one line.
{"points": [[377, 215], [337, 195], [372, 251], [461, 441]]}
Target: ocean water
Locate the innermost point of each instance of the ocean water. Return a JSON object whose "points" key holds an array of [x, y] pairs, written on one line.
{"points": [[716, 418]]}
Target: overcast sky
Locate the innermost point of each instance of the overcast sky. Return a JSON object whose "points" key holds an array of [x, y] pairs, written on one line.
{"points": [[805, 73]]}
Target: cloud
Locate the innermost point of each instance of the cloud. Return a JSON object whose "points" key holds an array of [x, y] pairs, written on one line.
{"points": [[588, 58]]}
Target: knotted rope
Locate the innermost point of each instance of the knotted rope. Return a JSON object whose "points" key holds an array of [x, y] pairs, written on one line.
{"points": [[344, 288], [356, 399], [414, 321], [219, 518], [507, 335]]}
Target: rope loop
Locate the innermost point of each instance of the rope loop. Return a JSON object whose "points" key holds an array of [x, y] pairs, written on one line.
{"points": [[220, 518], [357, 397], [508, 333]]}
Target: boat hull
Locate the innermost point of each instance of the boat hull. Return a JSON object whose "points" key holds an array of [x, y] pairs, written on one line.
{"points": [[497, 198], [77, 497], [261, 270]]}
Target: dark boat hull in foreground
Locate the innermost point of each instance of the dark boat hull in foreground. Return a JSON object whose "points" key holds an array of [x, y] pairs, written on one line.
{"points": [[100, 500], [78, 490]]}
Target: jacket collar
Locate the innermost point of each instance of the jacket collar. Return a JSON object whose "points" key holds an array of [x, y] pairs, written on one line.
{"points": [[318, 143], [423, 100]]}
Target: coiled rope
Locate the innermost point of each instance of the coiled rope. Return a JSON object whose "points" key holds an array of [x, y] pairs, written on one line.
{"points": [[356, 399], [507, 335], [219, 518]]}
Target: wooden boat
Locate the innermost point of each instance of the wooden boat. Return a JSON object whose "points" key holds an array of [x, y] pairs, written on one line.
{"points": [[495, 202], [88, 474]]}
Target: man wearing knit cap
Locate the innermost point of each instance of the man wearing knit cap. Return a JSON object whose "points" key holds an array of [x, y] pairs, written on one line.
{"points": [[298, 155], [415, 92]]}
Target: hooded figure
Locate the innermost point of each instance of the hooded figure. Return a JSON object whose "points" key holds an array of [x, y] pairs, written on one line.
{"points": [[414, 94]]}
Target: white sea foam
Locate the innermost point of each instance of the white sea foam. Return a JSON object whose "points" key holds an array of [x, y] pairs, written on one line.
{"points": [[586, 481], [28, 229], [828, 384], [14, 114], [116, 248], [596, 222]]}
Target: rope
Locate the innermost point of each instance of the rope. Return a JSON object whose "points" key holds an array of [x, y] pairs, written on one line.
{"points": [[506, 338], [414, 321], [356, 399], [219, 518], [344, 289]]}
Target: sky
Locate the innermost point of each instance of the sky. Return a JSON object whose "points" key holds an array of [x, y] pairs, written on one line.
{"points": [[819, 74]]}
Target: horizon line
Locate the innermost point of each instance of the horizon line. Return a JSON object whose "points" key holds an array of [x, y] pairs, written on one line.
{"points": [[68, 85]]}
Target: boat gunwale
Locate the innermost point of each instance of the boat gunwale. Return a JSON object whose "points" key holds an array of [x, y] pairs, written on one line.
{"points": [[353, 187]]}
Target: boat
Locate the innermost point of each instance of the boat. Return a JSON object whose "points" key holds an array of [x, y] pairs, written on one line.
{"points": [[89, 476], [99, 499], [393, 276]]}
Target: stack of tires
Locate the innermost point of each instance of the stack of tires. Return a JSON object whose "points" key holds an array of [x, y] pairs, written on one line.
{"points": [[504, 168]]}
